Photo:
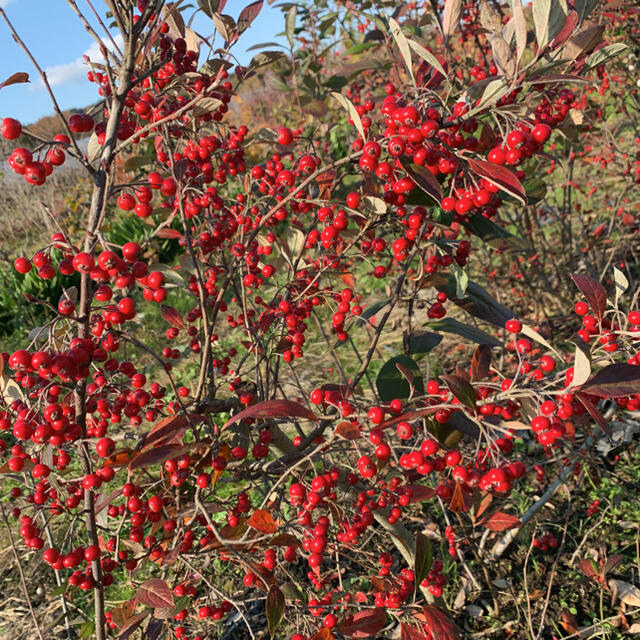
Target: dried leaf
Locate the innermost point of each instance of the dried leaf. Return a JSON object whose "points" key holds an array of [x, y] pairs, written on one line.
{"points": [[403, 45], [155, 593], [353, 114], [520, 26], [500, 521], [627, 593], [15, 78], [262, 521], [451, 17]]}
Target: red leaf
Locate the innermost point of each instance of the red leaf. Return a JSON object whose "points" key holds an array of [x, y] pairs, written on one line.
{"points": [[284, 540], [419, 493], [169, 234], [500, 176], [408, 632], [170, 430], [155, 593], [248, 15], [440, 625], [173, 317], [363, 624], [566, 31], [272, 409], [595, 294], [132, 624], [594, 413], [500, 521], [614, 381], [462, 390], [263, 522], [424, 179], [347, 430], [155, 455], [16, 78], [587, 567]]}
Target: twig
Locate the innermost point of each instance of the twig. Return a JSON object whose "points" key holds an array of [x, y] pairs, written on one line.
{"points": [[22, 579]]}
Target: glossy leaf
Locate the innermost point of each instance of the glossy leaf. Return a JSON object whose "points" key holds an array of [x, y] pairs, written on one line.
{"points": [[274, 608], [363, 624], [422, 341], [614, 381], [605, 54], [495, 235], [272, 409], [595, 294], [155, 593], [500, 176], [500, 521], [423, 557], [424, 179], [462, 390], [391, 383], [451, 325], [262, 521]]}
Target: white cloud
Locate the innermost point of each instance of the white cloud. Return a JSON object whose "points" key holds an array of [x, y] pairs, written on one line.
{"points": [[76, 71]]}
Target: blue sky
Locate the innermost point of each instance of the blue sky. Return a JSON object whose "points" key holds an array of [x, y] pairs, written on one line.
{"points": [[57, 40]]}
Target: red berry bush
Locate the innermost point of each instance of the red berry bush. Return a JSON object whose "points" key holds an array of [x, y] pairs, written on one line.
{"points": [[353, 335]]}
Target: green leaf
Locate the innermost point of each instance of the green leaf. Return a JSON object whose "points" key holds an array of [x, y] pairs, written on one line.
{"points": [[476, 301], [359, 48], [403, 45], [290, 24], [391, 383], [423, 557], [462, 280], [335, 82], [423, 341], [274, 608], [494, 235], [451, 325], [605, 54]]}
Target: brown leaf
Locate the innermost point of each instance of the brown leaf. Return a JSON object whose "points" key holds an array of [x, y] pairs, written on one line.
{"points": [[500, 521], [15, 78], [363, 624], [323, 634], [155, 593], [272, 409], [419, 493], [262, 521], [584, 42], [481, 362], [586, 565], [284, 540], [502, 55], [595, 294], [500, 176], [460, 501], [347, 430], [248, 15], [170, 430]]}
